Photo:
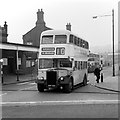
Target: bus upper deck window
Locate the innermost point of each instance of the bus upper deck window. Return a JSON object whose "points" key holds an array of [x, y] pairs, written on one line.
{"points": [[71, 39], [60, 39], [47, 39]]}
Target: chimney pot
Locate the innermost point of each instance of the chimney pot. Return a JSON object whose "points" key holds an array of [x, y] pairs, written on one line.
{"points": [[68, 26]]}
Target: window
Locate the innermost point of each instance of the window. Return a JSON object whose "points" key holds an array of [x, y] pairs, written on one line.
{"points": [[75, 40], [79, 65], [91, 59], [65, 64], [45, 63], [87, 45], [47, 39], [60, 39], [84, 64], [75, 64], [71, 39], [28, 63], [83, 44], [80, 42]]}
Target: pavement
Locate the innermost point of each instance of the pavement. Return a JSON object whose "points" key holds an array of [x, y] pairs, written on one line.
{"points": [[14, 79], [109, 83]]}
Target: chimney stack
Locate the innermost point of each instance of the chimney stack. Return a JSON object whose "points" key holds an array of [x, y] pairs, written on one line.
{"points": [[5, 26], [68, 26], [40, 17]]}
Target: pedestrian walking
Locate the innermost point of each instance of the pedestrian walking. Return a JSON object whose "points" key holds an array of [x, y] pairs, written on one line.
{"points": [[97, 73]]}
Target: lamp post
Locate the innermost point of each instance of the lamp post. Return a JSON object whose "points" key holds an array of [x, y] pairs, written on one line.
{"points": [[94, 17], [113, 42], [17, 65]]}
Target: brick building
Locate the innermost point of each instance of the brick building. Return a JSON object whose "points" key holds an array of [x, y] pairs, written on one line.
{"points": [[15, 57], [32, 37]]}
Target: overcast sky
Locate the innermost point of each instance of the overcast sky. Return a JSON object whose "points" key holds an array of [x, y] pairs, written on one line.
{"points": [[21, 17]]}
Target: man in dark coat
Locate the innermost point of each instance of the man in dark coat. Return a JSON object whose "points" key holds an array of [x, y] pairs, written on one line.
{"points": [[97, 73]]}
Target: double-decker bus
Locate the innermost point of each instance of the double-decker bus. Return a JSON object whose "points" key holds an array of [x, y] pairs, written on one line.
{"points": [[62, 61], [93, 62]]}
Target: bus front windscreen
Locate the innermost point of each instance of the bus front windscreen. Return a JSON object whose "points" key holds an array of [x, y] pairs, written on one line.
{"points": [[60, 39], [45, 63], [91, 59], [48, 39]]}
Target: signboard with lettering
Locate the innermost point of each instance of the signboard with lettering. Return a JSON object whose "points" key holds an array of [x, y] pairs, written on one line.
{"points": [[51, 51], [47, 53], [48, 49]]}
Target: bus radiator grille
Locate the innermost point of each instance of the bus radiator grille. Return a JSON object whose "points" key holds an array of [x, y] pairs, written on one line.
{"points": [[51, 77]]}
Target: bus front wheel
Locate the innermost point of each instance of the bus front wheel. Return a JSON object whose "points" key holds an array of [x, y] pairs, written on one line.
{"points": [[40, 87], [68, 87]]}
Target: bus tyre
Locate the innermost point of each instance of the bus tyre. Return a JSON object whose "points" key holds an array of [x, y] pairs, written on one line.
{"points": [[40, 87], [68, 87], [85, 80]]}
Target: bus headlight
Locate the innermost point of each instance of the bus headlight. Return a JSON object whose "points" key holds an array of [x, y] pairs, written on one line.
{"points": [[42, 78], [61, 78]]}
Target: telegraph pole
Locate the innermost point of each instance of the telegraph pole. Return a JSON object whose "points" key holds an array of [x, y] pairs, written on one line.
{"points": [[113, 42], [94, 17]]}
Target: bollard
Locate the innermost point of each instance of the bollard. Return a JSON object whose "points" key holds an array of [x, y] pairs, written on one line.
{"points": [[101, 77], [2, 77], [1, 74]]}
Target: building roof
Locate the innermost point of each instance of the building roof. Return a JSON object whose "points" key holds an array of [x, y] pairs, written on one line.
{"points": [[15, 46]]}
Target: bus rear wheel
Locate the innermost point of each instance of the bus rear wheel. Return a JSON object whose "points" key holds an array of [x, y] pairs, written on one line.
{"points": [[68, 87], [40, 87]]}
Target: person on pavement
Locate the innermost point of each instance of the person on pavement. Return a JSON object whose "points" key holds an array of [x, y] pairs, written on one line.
{"points": [[97, 73]]}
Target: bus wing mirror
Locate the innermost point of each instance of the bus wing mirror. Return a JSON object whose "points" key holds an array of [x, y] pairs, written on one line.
{"points": [[71, 59]]}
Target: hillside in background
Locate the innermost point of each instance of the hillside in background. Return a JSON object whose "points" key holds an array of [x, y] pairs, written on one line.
{"points": [[103, 49]]}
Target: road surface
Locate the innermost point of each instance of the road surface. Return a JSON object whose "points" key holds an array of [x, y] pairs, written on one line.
{"points": [[22, 100]]}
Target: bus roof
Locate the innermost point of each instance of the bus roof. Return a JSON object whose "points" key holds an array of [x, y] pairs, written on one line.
{"points": [[56, 32]]}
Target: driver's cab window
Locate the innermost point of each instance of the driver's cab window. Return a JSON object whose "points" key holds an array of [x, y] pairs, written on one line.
{"points": [[55, 63], [65, 63]]}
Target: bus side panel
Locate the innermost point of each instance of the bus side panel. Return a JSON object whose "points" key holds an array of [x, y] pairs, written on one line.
{"points": [[82, 73], [78, 76]]}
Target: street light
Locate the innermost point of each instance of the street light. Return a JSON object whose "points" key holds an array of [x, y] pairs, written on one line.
{"points": [[94, 17], [100, 16]]}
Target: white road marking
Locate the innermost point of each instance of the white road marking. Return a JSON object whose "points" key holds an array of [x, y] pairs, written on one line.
{"points": [[32, 83], [27, 88], [3, 94], [68, 102], [26, 83], [23, 83]]}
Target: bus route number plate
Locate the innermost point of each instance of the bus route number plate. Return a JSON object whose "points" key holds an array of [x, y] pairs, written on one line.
{"points": [[60, 51]]}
